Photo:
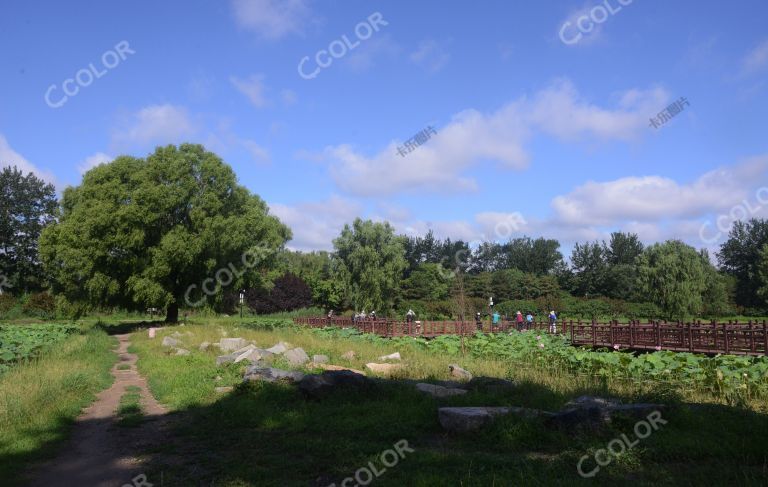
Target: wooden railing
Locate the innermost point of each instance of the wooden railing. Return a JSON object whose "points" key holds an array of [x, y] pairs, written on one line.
{"points": [[749, 338]]}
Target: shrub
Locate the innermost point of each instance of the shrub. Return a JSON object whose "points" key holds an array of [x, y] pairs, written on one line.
{"points": [[40, 305]]}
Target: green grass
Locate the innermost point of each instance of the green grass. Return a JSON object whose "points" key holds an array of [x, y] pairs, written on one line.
{"points": [[267, 434], [129, 411], [40, 399]]}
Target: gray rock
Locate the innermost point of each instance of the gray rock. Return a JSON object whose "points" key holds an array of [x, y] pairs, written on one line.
{"points": [[171, 342], [246, 348], [279, 348], [490, 384], [225, 359], [268, 374], [232, 344], [459, 373], [392, 356], [223, 390], [322, 385], [593, 413], [439, 392], [585, 402], [462, 420], [384, 369], [320, 359], [296, 357], [204, 347], [182, 351], [254, 355]]}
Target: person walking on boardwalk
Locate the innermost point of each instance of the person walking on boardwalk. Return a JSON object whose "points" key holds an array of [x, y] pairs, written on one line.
{"points": [[552, 322], [519, 319], [409, 316], [478, 321], [529, 320]]}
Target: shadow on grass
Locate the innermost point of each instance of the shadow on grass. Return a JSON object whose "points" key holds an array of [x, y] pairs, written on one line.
{"points": [[130, 327], [265, 434]]}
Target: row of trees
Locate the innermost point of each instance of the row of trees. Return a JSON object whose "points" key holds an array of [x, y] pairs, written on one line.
{"points": [[149, 232]]}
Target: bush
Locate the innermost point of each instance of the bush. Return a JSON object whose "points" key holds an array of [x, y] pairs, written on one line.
{"points": [[40, 305], [289, 293], [7, 303]]}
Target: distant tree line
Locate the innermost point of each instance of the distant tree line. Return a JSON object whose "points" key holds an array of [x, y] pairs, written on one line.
{"points": [[140, 233]]}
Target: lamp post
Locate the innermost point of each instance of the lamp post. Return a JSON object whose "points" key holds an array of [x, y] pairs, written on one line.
{"points": [[490, 311], [242, 299]]}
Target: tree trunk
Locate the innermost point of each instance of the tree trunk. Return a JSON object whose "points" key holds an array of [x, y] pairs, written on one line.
{"points": [[172, 314]]}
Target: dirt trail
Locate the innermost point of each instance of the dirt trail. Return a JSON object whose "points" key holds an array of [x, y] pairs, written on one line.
{"points": [[99, 452]]}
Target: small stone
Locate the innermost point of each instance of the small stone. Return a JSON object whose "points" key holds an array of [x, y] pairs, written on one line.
{"points": [[462, 420], [348, 355], [392, 356], [267, 374], [296, 357], [314, 365], [281, 347], [224, 390], [232, 344], [459, 373], [383, 369], [439, 391], [225, 359], [182, 351], [171, 342], [320, 359], [204, 347]]}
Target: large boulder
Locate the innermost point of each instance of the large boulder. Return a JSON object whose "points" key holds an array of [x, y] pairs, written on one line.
{"points": [[383, 369], [296, 357], [459, 373], [171, 342], [232, 344], [439, 392], [594, 413], [253, 355], [281, 347], [268, 374], [225, 359], [463, 420], [320, 386], [392, 356]]}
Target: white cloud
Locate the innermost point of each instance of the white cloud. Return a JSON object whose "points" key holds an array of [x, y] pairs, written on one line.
{"points": [[365, 56], [164, 124], [316, 224], [92, 161], [253, 88], [473, 137], [430, 56], [9, 157], [655, 198], [259, 153], [272, 19], [756, 59]]}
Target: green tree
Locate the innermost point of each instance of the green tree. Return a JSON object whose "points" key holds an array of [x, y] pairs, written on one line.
{"points": [[150, 232], [623, 249], [590, 268], [673, 275], [370, 261], [27, 205], [739, 257], [428, 281]]}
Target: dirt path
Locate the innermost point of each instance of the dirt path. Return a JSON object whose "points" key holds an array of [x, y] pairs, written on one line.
{"points": [[99, 452]]}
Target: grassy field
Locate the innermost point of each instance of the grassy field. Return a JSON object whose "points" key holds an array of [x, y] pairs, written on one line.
{"points": [[40, 398], [267, 434]]}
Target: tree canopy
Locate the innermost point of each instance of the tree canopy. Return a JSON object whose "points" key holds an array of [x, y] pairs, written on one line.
{"points": [[27, 205], [148, 232], [371, 262]]}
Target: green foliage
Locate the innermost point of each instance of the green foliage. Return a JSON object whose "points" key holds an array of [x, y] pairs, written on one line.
{"points": [[22, 342], [427, 281], [27, 205], [673, 276], [41, 305], [740, 256], [370, 263], [146, 232]]}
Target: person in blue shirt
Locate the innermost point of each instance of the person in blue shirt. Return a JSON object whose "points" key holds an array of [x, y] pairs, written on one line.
{"points": [[529, 320], [552, 322], [496, 317]]}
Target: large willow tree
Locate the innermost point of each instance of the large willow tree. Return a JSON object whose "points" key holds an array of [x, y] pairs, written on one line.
{"points": [[145, 232]]}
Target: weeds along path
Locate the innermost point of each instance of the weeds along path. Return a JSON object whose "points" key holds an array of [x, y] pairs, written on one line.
{"points": [[101, 452]]}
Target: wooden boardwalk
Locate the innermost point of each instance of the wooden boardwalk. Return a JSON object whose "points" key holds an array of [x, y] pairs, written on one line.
{"points": [[734, 338]]}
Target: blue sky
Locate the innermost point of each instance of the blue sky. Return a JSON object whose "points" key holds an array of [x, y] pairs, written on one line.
{"points": [[543, 126]]}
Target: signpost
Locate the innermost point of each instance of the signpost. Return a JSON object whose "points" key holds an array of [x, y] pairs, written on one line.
{"points": [[242, 299]]}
